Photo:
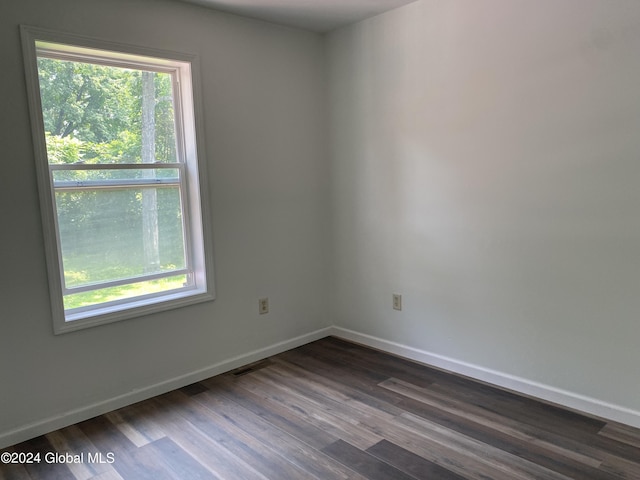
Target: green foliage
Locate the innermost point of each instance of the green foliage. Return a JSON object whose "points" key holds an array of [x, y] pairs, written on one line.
{"points": [[123, 149], [92, 113], [63, 149], [90, 101]]}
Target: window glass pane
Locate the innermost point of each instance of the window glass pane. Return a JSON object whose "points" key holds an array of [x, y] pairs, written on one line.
{"points": [[96, 297], [114, 234], [104, 114]]}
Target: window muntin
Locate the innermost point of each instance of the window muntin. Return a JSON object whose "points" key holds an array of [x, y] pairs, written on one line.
{"points": [[123, 211]]}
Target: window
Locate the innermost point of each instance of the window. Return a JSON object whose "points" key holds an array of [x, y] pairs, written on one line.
{"points": [[120, 181]]}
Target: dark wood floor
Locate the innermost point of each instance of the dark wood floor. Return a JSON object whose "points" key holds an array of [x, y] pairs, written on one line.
{"points": [[335, 410]]}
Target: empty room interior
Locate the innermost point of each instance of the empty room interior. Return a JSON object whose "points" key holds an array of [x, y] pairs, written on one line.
{"points": [[439, 197]]}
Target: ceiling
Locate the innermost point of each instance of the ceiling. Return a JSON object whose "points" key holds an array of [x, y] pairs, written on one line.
{"points": [[315, 15]]}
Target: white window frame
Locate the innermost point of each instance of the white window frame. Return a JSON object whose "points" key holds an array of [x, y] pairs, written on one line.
{"points": [[185, 69]]}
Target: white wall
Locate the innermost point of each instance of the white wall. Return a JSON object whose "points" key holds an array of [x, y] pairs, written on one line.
{"points": [[485, 163], [263, 93]]}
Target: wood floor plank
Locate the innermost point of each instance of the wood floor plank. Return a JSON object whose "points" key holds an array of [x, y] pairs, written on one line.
{"points": [[180, 463], [363, 462], [276, 414], [359, 380], [71, 440], [373, 361], [128, 462], [621, 467], [110, 475], [621, 433], [510, 465], [338, 388], [304, 456], [521, 448], [42, 469], [471, 463], [410, 463], [546, 457], [218, 460], [324, 394], [532, 436], [127, 429], [309, 410], [139, 417], [12, 471], [312, 356], [519, 408], [194, 389], [263, 458]]}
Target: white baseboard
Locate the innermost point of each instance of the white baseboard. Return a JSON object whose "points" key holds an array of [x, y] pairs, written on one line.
{"points": [[47, 425], [541, 391]]}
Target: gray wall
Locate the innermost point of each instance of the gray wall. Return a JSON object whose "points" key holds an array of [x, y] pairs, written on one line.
{"points": [[486, 164], [263, 94]]}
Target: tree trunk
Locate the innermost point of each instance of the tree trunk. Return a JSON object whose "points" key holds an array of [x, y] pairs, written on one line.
{"points": [[149, 195]]}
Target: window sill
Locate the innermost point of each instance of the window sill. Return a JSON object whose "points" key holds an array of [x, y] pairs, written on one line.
{"points": [[131, 309]]}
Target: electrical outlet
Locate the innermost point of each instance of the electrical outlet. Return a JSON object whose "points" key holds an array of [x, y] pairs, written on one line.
{"points": [[263, 305], [397, 301]]}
